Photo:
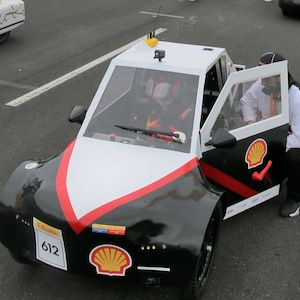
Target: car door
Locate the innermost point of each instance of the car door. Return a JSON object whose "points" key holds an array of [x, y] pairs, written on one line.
{"points": [[241, 157]]}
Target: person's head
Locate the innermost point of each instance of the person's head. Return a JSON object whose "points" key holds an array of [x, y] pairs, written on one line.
{"points": [[161, 94], [272, 57]]}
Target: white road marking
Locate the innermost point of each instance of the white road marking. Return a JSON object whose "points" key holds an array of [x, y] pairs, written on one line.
{"points": [[46, 87], [161, 15], [17, 85]]}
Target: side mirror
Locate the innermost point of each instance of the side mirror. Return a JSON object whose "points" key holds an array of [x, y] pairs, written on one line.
{"points": [[77, 114], [221, 138]]}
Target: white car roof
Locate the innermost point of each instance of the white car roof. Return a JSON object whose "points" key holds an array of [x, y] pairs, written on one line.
{"points": [[178, 56]]}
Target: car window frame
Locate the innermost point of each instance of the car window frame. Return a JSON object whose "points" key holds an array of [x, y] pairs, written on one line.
{"points": [[194, 147], [279, 68]]}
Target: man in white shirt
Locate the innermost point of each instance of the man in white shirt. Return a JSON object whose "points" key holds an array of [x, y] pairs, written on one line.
{"points": [[292, 158], [258, 103], [262, 100]]}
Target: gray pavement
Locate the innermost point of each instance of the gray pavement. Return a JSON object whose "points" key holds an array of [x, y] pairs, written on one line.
{"points": [[258, 253]]}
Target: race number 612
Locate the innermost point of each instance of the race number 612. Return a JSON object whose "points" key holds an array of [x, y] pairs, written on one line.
{"points": [[52, 249]]}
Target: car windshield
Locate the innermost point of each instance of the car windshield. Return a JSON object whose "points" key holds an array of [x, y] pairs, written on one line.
{"points": [[146, 107]]}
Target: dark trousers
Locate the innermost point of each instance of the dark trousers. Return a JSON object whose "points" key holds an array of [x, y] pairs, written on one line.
{"points": [[292, 170]]}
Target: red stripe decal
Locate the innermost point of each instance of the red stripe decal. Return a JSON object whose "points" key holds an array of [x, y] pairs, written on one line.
{"points": [[226, 180], [61, 186], [79, 224]]}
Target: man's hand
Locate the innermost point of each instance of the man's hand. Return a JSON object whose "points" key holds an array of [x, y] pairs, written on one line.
{"points": [[248, 122]]}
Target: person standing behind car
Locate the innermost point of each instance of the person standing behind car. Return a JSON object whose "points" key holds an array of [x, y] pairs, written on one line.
{"points": [[262, 99], [250, 104]]}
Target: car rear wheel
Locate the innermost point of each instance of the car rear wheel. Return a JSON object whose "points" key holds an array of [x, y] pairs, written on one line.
{"points": [[195, 287], [4, 37]]}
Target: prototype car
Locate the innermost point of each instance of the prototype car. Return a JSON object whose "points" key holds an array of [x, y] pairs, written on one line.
{"points": [[12, 15], [162, 157]]}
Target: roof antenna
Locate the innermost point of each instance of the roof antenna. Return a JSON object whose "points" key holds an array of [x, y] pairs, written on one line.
{"points": [[151, 39], [157, 16]]}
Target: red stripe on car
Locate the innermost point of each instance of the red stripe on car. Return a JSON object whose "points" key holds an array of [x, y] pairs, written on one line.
{"points": [[79, 224], [227, 181]]}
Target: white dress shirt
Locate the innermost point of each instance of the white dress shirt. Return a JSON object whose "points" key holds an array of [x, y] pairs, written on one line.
{"points": [[255, 104], [293, 139], [255, 107]]}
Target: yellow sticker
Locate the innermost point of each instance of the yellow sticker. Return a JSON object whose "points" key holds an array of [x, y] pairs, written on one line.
{"points": [[46, 228]]}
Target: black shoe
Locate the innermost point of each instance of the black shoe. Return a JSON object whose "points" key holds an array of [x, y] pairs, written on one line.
{"points": [[290, 209]]}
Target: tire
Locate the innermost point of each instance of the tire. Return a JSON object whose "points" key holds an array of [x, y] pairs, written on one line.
{"points": [[20, 258], [194, 289], [4, 37]]}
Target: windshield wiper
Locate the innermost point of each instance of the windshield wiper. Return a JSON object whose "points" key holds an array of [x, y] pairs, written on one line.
{"points": [[177, 136]]}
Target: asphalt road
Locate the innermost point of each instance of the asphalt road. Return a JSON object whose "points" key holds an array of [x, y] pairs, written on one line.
{"points": [[258, 253]]}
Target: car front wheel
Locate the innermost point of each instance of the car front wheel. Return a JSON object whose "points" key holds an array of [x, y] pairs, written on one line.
{"points": [[195, 287]]}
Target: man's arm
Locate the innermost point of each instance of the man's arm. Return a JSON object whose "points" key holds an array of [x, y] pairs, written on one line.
{"points": [[249, 103]]}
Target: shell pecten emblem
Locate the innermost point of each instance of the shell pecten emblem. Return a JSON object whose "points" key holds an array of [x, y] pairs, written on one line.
{"points": [[255, 153], [110, 260]]}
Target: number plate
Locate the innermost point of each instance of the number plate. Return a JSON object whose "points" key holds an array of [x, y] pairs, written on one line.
{"points": [[49, 243]]}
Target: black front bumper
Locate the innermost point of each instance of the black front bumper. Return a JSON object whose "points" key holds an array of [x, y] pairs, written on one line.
{"points": [[167, 264]]}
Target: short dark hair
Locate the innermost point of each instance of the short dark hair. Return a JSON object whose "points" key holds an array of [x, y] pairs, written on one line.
{"points": [[270, 57]]}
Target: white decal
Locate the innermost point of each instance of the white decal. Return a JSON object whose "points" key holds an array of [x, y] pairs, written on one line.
{"points": [[31, 165], [251, 202], [159, 269], [50, 247]]}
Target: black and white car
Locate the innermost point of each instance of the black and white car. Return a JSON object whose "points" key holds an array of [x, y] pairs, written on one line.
{"points": [[142, 195]]}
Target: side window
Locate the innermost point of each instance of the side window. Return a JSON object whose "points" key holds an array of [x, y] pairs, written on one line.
{"points": [[250, 102], [214, 81]]}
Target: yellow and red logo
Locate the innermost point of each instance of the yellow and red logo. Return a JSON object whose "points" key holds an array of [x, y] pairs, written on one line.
{"points": [[110, 260], [255, 153]]}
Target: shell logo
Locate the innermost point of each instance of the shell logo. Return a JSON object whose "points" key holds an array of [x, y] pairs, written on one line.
{"points": [[255, 153], [110, 260]]}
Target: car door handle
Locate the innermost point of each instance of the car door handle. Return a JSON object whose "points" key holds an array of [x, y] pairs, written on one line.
{"points": [[259, 176]]}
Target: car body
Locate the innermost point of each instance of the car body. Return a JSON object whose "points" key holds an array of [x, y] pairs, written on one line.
{"points": [[290, 7], [143, 198], [12, 15]]}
